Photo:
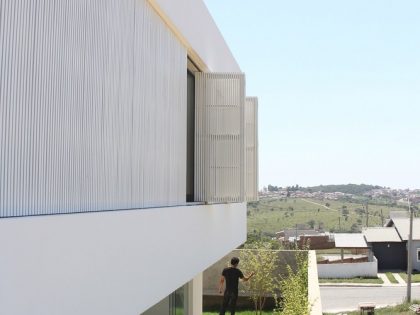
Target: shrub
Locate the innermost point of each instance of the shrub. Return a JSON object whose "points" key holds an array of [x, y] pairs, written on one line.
{"points": [[294, 289]]}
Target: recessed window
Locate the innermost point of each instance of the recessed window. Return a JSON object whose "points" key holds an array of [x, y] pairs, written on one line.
{"points": [[418, 254], [190, 135]]}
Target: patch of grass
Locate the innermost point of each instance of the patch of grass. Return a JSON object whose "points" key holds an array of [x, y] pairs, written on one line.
{"points": [[415, 276], [401, 309], [391, 277], [352, 280], [238, 313]]}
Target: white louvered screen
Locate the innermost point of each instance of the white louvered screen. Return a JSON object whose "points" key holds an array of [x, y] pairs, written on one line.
{"points": [[251, 148], [92, 107], [220, 138]]}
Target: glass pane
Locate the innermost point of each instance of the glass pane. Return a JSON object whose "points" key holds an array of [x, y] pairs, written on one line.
{"points": [[179, 302]]}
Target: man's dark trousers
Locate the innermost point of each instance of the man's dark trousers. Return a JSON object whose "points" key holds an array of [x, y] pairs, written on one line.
{"points": [[231, 297]]}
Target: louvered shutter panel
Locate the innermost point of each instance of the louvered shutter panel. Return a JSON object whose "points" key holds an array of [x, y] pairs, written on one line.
{"points": [[251, 149], [220, 137]]}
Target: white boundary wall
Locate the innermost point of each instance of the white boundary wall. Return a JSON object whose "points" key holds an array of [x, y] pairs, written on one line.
{"points": [[314, 293], [115, 262], [346, 270]]}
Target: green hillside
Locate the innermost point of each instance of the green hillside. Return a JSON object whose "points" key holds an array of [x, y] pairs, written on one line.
{"points": [[272, 215]]}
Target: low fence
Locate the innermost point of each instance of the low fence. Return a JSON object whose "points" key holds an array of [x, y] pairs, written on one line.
{"points": [[349, 270]]}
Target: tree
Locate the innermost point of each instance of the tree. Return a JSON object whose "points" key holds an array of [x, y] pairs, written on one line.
{"points": [[260, 257], [311, 223], [345, 211], [354, 228]]}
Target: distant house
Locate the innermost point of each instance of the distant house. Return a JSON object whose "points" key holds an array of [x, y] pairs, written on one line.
{"points": [[387, 246], [402, 226], [389, 243]]}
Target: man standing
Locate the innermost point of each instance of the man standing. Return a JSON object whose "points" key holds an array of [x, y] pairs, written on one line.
{"points": [[231, 275]]}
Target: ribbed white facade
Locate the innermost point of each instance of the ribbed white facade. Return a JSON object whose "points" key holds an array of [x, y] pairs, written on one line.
{"points": [[92, 107], [251, 148], [220, 138]]}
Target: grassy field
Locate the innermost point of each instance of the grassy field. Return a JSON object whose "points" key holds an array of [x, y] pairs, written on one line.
{"points": [[272, 215], [353, 280]]}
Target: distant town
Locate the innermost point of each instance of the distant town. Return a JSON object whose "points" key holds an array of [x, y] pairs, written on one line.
{"points": [[349, 192]]}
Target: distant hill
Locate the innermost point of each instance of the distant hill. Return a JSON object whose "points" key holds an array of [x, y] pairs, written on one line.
{"points": [[347, 189]]}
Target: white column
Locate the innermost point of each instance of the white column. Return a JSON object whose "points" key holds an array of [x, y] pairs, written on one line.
{"points": [[195, 295]]}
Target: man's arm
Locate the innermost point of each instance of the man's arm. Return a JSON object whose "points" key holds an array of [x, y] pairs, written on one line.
{"points": [[222, 281], [246, 278]]}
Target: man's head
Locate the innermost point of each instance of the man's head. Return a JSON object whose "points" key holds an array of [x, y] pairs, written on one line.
{"points": [[234, 261]]}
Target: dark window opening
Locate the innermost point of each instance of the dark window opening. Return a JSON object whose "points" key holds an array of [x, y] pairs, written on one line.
{"points": [[190, 135]]}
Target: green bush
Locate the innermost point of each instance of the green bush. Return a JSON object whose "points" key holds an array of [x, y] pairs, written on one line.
{"points": [[294, 289]]}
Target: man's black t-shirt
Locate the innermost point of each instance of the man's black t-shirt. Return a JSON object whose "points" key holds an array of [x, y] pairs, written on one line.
{"points": [[232, 276]]}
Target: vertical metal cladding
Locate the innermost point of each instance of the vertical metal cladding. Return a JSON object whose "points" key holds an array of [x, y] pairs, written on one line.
{"points": [[251, 148], [220, 137], [92, 107]]}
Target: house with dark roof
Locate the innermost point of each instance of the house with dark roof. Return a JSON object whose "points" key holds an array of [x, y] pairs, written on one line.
{"points": [[402, 226], [387, 246]]}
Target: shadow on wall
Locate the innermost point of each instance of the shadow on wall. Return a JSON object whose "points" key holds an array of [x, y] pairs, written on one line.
{"points": [[211, 277]]}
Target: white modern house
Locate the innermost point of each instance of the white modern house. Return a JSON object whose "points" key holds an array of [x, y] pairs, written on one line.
{"points": [[128, 150]]}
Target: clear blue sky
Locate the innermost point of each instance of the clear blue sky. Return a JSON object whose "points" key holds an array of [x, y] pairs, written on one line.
{"points": [[338, 85]]}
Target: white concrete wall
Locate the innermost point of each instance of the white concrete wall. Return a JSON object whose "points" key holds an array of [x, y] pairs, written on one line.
{"points": [[194, 24], [314, 293], [107, 263], [346, 270]]}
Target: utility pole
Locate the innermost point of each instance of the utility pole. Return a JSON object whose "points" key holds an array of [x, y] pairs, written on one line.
{"points": [[409, 251], [382, 218], [367, 214]]}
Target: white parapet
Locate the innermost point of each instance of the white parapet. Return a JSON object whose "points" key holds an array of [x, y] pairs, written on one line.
{"points": [[349, 270], [116, 262]]}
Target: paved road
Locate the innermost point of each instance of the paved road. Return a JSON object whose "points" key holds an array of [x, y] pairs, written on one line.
{"points": [[339, 299]]}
